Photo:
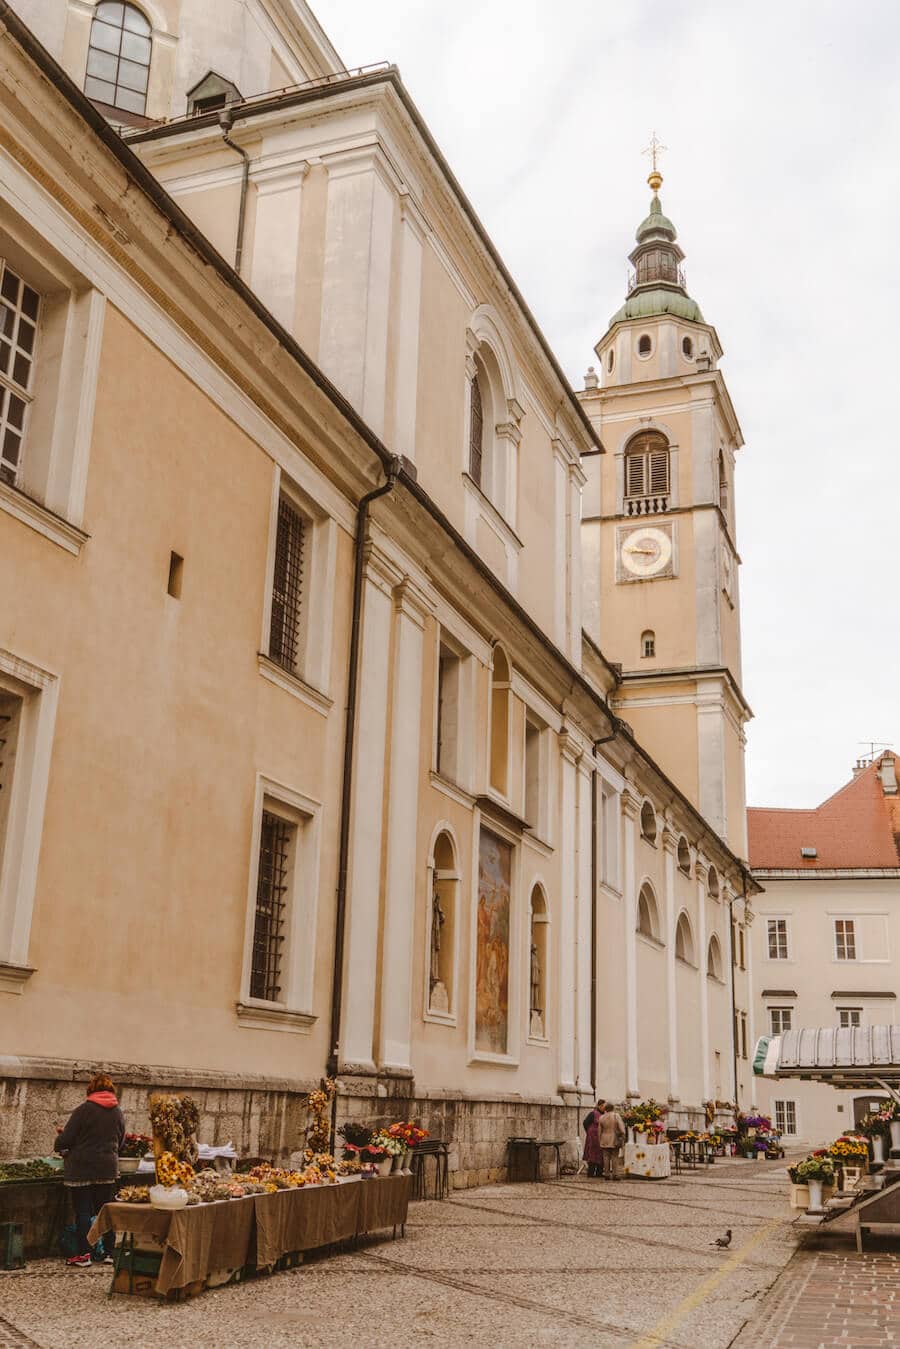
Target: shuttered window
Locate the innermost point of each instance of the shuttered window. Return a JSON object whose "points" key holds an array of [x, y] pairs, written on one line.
{"points": [[476, 434], [287, 587], [647, 467]]}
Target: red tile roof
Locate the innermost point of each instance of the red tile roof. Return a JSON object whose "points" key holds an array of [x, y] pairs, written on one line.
{"points": [[857, 827]]}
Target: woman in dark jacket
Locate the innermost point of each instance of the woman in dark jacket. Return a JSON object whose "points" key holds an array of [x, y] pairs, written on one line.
{"points": [[592, 1154], [90, 1145]]}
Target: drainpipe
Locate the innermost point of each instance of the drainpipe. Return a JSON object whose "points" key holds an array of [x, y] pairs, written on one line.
{"points": [[734, 1035], [226, 121], [337, 982], [594, 880]]}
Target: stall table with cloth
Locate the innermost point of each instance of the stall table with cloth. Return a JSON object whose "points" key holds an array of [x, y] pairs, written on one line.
{"points": [[209, 1242], [648, 1161]]}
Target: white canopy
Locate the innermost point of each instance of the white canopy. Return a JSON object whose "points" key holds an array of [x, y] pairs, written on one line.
{"points": [[847, 1057]]}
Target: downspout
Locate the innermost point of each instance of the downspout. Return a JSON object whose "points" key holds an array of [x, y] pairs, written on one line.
{"points": [[731, 951], [226, 121], [337, 982], [594, 932]]}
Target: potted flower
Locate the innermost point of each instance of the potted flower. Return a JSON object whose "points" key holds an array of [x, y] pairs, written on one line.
{"points": [[877, 1128], [355, 1136], [392, 1150], [409, 1134], [816, 1171], [132, 1150]]}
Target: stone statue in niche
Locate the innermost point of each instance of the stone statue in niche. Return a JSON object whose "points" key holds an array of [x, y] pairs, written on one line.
{"points": [[537, 1013], [439, 1000]]}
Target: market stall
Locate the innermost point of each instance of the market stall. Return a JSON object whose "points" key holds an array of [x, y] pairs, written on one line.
{"points": [[647, 1161]]}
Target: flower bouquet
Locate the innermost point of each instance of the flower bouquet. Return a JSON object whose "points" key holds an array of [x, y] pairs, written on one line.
{"points": [[818, 1166], [132, 1150], [356, 1136]]}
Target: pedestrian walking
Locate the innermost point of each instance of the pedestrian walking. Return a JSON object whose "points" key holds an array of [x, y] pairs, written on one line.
{"points": [[592, 1154], [89, 1145], [610, 1137]]}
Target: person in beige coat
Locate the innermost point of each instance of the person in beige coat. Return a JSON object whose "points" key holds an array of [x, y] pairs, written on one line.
{"points": [[610, 1136]]}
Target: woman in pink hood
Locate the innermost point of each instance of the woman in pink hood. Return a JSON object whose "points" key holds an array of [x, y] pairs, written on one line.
{"points": [[90, 1145]]}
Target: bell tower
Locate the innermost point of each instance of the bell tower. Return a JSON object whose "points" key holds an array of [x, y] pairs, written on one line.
{"points": [[658, 529]]}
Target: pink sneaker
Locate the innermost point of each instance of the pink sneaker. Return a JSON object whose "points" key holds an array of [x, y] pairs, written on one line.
{"points": [[79, 1262]]}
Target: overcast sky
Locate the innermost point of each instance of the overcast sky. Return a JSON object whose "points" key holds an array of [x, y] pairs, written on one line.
{"points": [[782, 179]]}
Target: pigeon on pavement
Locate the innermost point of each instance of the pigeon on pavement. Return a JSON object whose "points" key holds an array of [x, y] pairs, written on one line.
{"points": [[722, 1242]]}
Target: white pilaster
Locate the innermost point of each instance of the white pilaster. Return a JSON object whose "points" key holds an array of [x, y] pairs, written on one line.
{"points": [[670, 844], [585, 1069], [406, 375], [569, 755], [576, 482], [631, 805], [276, 238], [560, 544], [357, 279], [402, 815], [367, 810], [700, 870]]}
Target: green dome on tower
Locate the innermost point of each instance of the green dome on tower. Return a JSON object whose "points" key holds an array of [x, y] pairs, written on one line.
{"points": [[657, 285]]}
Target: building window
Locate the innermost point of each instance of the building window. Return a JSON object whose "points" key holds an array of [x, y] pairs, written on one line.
{"points": [[610, 360], [499, 765], [684, 940], [648, 913], [779, 1019], [684, 856], [645, 344], [844, 939], [849, 1016], [648, 644], [118, 65], [449, 671], [712, 883], [777, 930], [743, 1021], [742, 946], [723, 484], [276, 848], [10, 724], [19, 313], [786, 1117], [533, 777], [212, 92], [287, 588], [476, 433], [648, 822], [609, 836], [647, 474], [537, 979], [687, 347], [714, 958], [442, 927]]}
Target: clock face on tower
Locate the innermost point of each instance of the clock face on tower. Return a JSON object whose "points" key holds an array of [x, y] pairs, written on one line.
{"points": [[645, 552]]}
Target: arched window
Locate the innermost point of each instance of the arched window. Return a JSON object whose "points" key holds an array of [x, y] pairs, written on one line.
{"points": [[687, 347], [723, 483], [645, 344], [537, 965], [647, 474], [684, 940], [442, 925], [684, 856], [712, 883], [714, 958], [499, 765], [648, 822], [648, 644], [648, 913], [476, 433], [118, 64]]}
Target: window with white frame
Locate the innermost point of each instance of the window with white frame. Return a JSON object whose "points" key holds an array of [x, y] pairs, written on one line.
{"points": [[777, 934], [448, 708], [441, 927], [844, 939], [608, 824], [19, 314], [779, 1019], [849, 1016], [786, 1117], [277, 841], [500, 710], [536, 772]]}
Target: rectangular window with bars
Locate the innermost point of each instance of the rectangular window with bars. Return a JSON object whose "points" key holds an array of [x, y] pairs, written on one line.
{"points": [[786, 1117], [276, 847], [19, 313], [844, 939], [285, 647], [779, 1020], [849, 1016], [777, 931]]}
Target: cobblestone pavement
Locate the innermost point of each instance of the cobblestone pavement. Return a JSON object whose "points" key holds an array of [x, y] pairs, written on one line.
{"points": [[569, 1262], [828, 1297]]}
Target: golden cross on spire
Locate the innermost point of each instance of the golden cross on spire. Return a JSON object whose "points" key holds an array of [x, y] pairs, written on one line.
{"points": [[654, 150]]}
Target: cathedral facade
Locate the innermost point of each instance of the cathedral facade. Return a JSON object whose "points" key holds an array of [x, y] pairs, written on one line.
{"points": [[372, 698]]}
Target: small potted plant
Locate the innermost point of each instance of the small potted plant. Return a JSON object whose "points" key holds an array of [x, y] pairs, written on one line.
{"points": [[816, 1171], [133, 1148]]}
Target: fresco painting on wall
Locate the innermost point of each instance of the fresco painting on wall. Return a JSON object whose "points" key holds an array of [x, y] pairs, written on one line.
{"points": [[492, 950]]}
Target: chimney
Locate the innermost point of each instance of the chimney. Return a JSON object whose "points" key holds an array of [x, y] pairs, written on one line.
{"points": [[888, 775], [859, 767]]}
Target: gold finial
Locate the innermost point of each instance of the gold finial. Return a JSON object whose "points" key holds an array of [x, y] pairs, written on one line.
{"points": [[654, 150]]}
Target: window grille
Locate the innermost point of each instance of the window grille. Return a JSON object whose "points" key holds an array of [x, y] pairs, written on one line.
{"points": [[844, 939], [19, 311], [786, 1117], [778, 939], [118, 65], [849, 1016], [275, 840], [287, 587], [476, 434], [779, 1019], [647, 475]]}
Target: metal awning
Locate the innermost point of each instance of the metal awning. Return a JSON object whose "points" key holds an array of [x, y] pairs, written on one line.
{"points": [[844, 1057]]}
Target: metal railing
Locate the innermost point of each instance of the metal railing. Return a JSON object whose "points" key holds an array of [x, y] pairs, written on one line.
{"points": [[675, 276]]}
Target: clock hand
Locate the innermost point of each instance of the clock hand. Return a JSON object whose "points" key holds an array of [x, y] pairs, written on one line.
{"points": [[650, 552]]}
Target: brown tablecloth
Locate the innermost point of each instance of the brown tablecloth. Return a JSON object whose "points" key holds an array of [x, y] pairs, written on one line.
{"points": [[207, 1237]]}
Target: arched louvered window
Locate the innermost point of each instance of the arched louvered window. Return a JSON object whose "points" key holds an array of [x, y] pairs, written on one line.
{"points": [[476, 433], [647, 469], [118, 65]]}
